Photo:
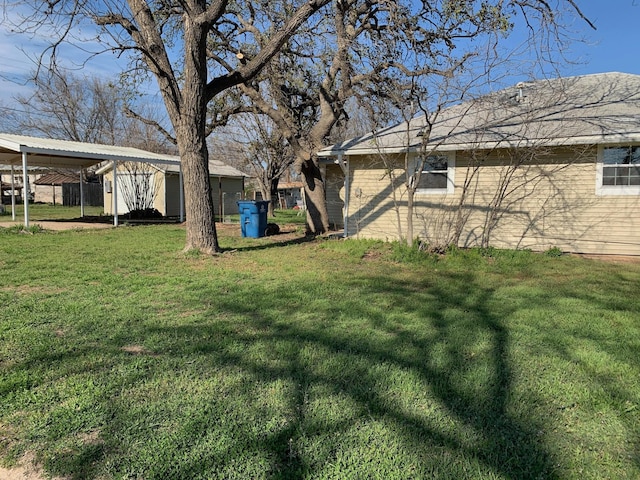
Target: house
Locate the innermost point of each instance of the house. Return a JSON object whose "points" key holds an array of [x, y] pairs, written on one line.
{"points": [[144, 184], [550, 163], [63, 188]]}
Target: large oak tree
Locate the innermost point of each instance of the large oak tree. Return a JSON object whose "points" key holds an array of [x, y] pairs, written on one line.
{"points": [[315, 58], [376, 53], [192, 49]]}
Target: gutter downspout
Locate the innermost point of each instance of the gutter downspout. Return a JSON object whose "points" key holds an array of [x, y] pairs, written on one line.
{"points": [[344, 166]]}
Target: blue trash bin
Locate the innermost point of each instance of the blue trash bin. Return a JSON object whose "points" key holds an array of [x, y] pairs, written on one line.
{"points": [[253, 218]]}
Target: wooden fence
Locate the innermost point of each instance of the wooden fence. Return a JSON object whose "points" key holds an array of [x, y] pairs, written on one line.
{"points": [[93, 194]]}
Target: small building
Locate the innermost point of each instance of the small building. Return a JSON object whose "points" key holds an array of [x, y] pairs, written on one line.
{"points": [[550, 163], [63, 188], [159, 185], [291, 195]]}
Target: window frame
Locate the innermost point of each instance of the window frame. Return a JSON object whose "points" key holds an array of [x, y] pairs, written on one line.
{"points": [[604, 190], [451, 168]]}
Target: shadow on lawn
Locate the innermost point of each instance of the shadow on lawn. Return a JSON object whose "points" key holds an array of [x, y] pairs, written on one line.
{"points": [[459, 357], [386, 377]]}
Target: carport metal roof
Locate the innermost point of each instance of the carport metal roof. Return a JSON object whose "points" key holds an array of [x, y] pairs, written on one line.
{"points": [[45, 152], [63, 154]]}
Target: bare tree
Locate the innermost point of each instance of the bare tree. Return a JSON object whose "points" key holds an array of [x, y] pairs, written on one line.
{"points": [[266, 154], [85, 108], [371, 50], [193, 49], [72, 107], [139, 186]]}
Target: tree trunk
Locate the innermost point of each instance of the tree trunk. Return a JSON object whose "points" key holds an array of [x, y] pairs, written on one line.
{"points": [[317, 215], [274, 199], [410, 197], [201, 226], [192, 144]]}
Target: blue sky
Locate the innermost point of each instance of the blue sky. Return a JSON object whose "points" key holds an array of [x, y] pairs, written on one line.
{"points": [[612, 47]]}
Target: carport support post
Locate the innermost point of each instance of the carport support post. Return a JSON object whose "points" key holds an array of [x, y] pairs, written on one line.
{"points": [[115, 193], [25, 189], [13, 194], [81, 193]]}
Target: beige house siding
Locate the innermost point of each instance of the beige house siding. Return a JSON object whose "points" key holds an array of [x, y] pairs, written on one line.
{"points": [[551, 203]]}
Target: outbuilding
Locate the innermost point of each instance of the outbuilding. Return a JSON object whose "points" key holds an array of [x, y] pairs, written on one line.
{"points": [[160, 185]]}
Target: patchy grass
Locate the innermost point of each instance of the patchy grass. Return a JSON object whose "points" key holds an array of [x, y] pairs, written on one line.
{"points": [[121, 357], [13, 229], [43, 211]]}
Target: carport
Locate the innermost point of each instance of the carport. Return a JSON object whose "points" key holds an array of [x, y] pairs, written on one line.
{"points": [[23, 152]]}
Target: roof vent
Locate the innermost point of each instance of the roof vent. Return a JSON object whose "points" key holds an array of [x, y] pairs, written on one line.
{"points": [[520, 96]]}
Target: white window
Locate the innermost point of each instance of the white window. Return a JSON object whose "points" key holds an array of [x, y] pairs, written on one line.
{"points": [[437, 175], [618, 170]]}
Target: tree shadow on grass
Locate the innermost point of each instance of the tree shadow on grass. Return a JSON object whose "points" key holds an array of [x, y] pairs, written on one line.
{"points": [[353, 355], [274, 241], [386, 377]]}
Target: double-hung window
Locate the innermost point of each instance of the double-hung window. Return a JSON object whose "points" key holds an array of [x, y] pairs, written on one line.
{"points": [[618, 171], [437, 175]]}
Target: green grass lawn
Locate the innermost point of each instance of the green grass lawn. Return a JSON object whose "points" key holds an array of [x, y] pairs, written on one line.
{"points": [[121, 357], [43, 211]]}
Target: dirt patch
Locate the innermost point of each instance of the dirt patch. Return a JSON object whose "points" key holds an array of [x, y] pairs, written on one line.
{"points": [[624, 259], [137, 350], [27, 470]]}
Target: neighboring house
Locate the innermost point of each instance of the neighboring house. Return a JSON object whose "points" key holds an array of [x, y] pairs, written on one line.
{"points": [[47, 188], [6, 178], [290, 195], [551, 163], [160, 184]]}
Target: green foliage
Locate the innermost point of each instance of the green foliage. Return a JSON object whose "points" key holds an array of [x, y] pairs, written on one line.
{"points": [[314, 359], [18, 228], [553, 252], [417, 254]]}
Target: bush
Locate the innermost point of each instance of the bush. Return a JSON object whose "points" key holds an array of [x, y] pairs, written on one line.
{"points": [[554, 252], [144, 214]]}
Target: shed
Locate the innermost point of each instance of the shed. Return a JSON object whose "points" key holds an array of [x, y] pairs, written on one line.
{"points": [[160, 186]]}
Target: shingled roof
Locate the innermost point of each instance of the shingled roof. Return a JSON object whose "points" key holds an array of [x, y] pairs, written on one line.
{"points": [[589, 109], [57, 178]]}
